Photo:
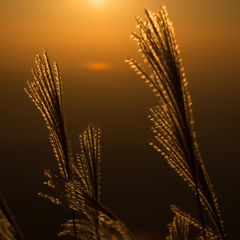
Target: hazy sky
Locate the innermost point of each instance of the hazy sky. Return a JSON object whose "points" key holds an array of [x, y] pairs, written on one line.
{"points": [[90, 40]]}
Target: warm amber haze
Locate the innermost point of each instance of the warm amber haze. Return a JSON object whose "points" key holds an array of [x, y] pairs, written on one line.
{"points": [[78, 32], [96, 65]]}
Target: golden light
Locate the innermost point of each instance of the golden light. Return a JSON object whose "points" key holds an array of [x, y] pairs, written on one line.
{"points": [[98, 1], [96, 65]]}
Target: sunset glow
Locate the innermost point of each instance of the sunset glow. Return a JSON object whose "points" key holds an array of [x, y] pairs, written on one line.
{"points": [[98, 1], [90, 41], [97, 65]]}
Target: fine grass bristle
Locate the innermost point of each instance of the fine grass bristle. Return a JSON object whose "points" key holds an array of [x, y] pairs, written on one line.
{"points": [[78, 184], [172, 117]]}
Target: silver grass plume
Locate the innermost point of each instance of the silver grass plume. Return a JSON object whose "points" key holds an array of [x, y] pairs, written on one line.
{"points": [[88, 168], [8, 227], [172, 117], [46, 93], [178, 229], [88, 161], [180, 226], [82, 194], [79, 182]]}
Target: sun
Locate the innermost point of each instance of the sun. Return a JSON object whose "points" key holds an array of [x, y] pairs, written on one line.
{"points": [[98, 1]]}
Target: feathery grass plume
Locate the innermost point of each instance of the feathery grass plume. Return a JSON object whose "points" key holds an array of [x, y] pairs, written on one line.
{"points": [[79, 181], [178, 229], [46, 93], [187, 219], [85, 230], [82, 194], [172, 117], [88, 167], [8, 227]]}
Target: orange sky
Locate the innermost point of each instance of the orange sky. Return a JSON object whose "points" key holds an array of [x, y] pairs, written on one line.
{"points": [[90, 41], [80, 31]]}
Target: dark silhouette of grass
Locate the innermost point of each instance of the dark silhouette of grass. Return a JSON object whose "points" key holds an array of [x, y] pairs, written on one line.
{"points": [[172, 117], [78, 181], [46, 93], [8, 226]]}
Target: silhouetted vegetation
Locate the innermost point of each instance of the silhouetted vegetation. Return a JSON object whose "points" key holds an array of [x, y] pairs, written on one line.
{"points": [[78, 182]]}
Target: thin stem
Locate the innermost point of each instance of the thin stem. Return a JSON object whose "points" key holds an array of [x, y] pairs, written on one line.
{"points": [[74, 225], [200, 209]]}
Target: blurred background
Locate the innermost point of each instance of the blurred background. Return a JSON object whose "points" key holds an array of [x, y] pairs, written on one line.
{"points": [[89, 39]]}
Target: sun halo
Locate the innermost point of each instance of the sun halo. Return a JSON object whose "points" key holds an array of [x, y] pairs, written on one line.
{"points": [[98, 2]]}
